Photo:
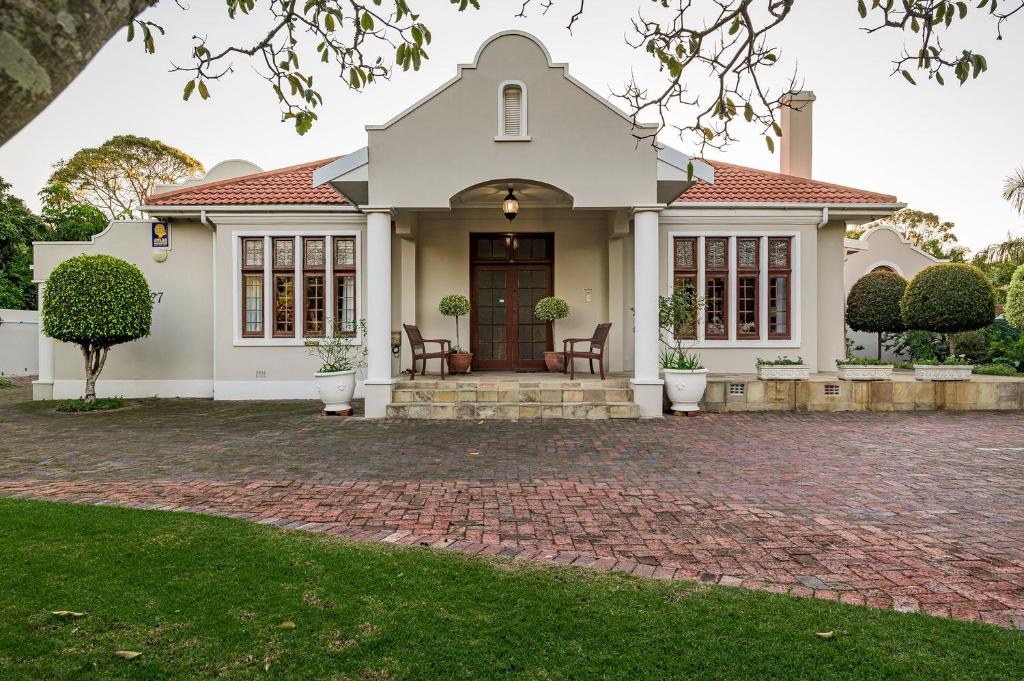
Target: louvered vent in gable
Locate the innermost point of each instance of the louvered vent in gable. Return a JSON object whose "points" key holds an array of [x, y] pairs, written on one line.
{"points": [[512, 112]]}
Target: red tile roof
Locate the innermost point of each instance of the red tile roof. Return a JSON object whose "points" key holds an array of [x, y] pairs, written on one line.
{"points": [[733, 184], [292, 185], [737, 184]]}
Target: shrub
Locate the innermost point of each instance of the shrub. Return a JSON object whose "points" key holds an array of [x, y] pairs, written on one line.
{"points": [[454, 305], [338, 352], [779, 362], [96, 302], [873, 304], [1015, 299], [996, 370], [6, 382], [862, 361], [551, 309], [102, 404], [948, 298]]}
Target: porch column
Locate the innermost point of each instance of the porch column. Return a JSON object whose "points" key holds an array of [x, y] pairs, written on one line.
{"points": [[378, 311], [646, 382], [42, 387]]}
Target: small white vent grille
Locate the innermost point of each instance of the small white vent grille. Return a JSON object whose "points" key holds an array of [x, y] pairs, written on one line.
{"points": [[832, 390], [737, 389], [512, 98]]}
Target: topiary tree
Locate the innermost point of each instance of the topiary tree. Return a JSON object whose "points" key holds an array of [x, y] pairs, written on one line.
{"points": [[948, 298], [96, 302], [1015, 299], [455, 305], [873, 304]]}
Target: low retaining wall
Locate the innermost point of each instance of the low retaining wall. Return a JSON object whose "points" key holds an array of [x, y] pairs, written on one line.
{"points": [[828, 393]]}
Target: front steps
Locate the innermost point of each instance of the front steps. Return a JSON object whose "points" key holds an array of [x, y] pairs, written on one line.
{"points": [[545, 396]]}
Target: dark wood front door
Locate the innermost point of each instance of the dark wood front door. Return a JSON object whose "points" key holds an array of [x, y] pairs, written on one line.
{"points": [[510, 273]]}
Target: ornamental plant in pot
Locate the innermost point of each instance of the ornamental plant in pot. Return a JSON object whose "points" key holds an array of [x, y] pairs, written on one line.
{"points": [[552, 309], [685, 377], [456, 305], [339, 358]]}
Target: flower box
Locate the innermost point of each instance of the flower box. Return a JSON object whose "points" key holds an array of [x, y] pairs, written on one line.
{"points": [[783, 372], [865, 372], [943, 372]]}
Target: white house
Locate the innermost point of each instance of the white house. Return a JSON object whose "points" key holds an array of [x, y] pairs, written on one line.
{"points": [[258, 261]]}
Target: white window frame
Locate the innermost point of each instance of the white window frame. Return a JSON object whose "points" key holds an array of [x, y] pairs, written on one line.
{"points": [[763, 342], [524, 130], [268, 340]]}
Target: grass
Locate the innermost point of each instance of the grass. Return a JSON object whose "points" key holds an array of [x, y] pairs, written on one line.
{"points": [[101, 404], [204, 597]]}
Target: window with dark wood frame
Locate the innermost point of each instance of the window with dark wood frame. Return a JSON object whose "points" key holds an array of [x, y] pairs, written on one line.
{"points": [[748, 287], [252, 287], [345, 285], [283, 269], [780, 278], [684, 273], [314, 299], [716, 288]]}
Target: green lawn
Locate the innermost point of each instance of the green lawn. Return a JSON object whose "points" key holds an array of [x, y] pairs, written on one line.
{"points": [[203, 597]]}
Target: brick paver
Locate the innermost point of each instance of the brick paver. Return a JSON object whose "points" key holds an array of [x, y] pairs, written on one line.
{"points": [[919, 511]]}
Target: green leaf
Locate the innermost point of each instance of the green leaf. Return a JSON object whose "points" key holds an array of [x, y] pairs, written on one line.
{"points": [[131, 31], [366, 21], [906, 74], [748, 112], [862, 9], [203, 91], [770, 142], [189, 87]]}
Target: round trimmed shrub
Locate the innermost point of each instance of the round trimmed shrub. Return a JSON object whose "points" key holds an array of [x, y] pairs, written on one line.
{"points": [[948, 298], [455, 305], [96, 301], [551, 309], [1015, 299], [873, 303]]}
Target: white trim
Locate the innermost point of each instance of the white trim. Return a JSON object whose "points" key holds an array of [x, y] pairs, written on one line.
{"points": [[268, 234], [797, 313], [341, 166], [476, 62], [303, 389], [524, 125], [70, 389], [885, 263]]}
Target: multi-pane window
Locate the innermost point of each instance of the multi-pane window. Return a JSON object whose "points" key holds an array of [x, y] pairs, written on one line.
{"points": [[741, 262], [295, 287], [345, 285], [716, 288], [780, 275], [314, 258], [748, 275], [284, 287], [252, 287], [684, 273]]}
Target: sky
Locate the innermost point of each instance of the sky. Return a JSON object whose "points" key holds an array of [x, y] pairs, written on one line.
{"points": [[944, 150]]}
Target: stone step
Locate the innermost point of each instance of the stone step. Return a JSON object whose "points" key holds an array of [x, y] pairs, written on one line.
{"points": [[491, 383], [514, 411], [463, 394]]}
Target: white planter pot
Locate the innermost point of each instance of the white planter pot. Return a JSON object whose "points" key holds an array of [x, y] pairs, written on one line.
{"points": [[783, 372], [865, 372], [336, 390], [685, 388], [943, 372]]}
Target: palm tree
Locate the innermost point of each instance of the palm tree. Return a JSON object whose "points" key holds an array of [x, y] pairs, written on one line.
{"points": [[1013, 189], [1010, 250]]}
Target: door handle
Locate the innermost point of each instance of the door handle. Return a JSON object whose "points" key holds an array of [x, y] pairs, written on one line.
{"points": [[501, 300]]}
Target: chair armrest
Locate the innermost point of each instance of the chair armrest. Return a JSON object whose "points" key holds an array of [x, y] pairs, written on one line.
{"points": [[574, 341], [440, 341]]}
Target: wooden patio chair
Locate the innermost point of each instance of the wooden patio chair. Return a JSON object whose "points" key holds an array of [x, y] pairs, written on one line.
{"points": [[598, 343], [418, 345]]}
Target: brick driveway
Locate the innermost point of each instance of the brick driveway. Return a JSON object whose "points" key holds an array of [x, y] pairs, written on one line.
{"points": [[919, 511]]}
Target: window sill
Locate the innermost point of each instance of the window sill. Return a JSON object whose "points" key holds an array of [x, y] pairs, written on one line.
{"points": [[520, 138], [282, 342]]}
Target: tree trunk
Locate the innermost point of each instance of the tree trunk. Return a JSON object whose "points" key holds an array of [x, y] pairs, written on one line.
{"points": [[95, 358], [879, 346], [45, 45]]}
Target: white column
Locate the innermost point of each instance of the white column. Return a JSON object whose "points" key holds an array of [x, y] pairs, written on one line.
{"points": [[647, 385], [378, 311], [42, 388]]}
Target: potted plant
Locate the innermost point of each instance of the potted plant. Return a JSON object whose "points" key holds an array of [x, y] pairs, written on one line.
{"points": [[782, 369], [948, 298], [685, 377], [339, 358], [456, 305], [953, 368], [864, 369], [552, 309]]}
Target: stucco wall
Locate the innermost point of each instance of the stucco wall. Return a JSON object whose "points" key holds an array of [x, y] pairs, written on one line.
{"points": [[578, 143], [581, 262], [19, 334]]}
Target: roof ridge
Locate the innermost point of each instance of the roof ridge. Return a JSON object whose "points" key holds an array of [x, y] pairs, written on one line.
{"points": [[240, 178], [802, 180]]}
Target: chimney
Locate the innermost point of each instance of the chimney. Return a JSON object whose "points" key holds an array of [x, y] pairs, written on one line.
{"points": [[797, 134]]}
